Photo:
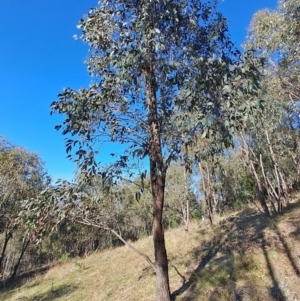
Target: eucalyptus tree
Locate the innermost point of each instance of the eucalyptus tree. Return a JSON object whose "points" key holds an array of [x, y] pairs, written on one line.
{"points": [[275, 36], [180, 201], [222, 179], [162, 72], [271, 147], [22, 176]]}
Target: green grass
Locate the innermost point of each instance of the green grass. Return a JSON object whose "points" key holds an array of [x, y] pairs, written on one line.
{"points": [[244, 257]]}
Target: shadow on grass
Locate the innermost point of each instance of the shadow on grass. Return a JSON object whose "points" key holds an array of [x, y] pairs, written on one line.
{"points": [[211, 249], [275, 291], [296, 233], [287, 251], [293, 221], [22, 278], [291, 206], [52, 294], [235, 235]]}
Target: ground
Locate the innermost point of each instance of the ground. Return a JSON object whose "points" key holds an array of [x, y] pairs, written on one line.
{"points": [[243, 257]]}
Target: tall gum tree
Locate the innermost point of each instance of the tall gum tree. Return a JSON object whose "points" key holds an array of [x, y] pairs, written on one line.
{"points": [[163, 71], [275, 36]]}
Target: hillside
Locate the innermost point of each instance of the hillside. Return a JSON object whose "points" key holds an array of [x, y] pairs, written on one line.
{"points": [[244, 257]]}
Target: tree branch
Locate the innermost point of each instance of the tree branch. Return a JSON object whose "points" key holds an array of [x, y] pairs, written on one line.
{"points": [[105, 227]]}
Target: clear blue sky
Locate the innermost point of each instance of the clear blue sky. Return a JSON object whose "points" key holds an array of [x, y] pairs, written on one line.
{"points": [[39, 57]]}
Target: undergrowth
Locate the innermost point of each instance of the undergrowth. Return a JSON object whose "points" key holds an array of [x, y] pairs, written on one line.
{"points": [[243, 257]]}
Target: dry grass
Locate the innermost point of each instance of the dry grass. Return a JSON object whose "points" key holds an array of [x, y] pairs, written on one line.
{"points": [[244, 257]]}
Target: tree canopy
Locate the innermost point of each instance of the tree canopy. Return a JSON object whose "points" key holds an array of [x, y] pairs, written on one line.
{"points": [[164, 73], [22, 176]]}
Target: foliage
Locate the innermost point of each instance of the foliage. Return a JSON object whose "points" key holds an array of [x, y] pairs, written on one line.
{"points": [[198, 79], [180, 201], [223, 182], [271, 144], [168, 85], [22, 176], [164, 72]]}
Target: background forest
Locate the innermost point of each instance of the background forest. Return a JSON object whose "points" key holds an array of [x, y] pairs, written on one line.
{"points": [[239, 146]]}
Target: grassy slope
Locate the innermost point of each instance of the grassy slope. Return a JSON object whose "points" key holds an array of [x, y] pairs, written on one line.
{"points": [[243, 258]]}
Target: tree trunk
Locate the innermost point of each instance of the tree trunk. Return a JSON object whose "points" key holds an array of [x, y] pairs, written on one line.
{"points": [[284, 188], [270, 189], [276, 171], [24, 247], [206, 194], [186, 216], [211, 200], [157, 178], [8, 236], [161, 259], [251, 168], [260, 193], [162, 283]]}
